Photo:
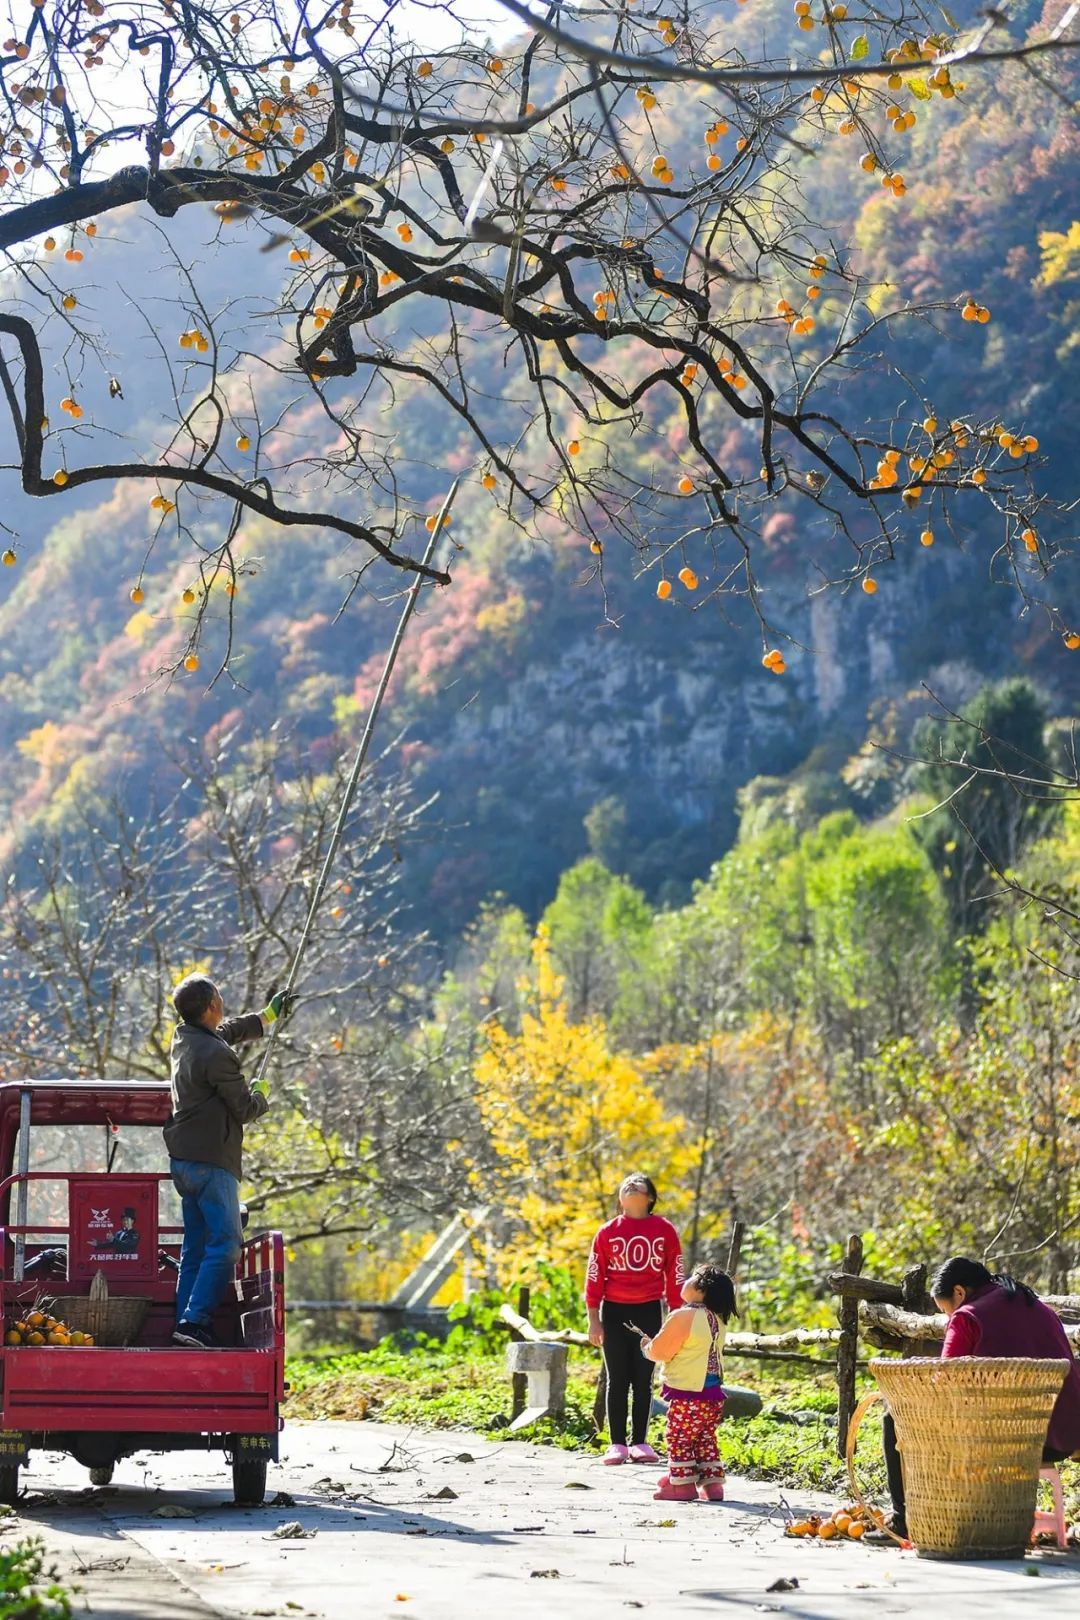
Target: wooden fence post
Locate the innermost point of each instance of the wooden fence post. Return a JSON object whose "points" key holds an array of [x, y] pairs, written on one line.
{"points": [[735, 1242], [847, 1351], [519, 1381], [599, 1411]]}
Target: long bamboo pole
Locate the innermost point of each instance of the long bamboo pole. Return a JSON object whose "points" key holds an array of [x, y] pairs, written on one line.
{"points": [[354, 775]]}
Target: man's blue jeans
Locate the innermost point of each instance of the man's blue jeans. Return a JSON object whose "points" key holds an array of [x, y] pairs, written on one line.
{"points": [[212, 1238]]}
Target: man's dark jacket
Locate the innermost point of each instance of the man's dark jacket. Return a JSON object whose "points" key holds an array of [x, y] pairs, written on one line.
{"points": [[211, 1100]]}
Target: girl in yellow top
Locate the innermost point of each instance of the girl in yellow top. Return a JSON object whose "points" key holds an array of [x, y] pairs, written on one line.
{"points": [[690, 1345]]}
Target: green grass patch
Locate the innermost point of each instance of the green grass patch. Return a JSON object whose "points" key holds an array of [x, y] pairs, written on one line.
{"points": [[435, 1388]]}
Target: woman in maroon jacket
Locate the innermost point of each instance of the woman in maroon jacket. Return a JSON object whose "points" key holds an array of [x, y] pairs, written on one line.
{"points": [[991, 1314]]}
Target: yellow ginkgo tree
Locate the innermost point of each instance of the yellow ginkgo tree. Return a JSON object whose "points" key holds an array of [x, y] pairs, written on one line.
{"points": [[566, 1117]]}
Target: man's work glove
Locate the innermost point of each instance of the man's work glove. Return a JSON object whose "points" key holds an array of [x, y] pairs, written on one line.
{"points": [[279, 1006], [261, 1088]]}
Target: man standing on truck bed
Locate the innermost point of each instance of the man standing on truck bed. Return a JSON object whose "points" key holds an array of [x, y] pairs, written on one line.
{"points": [[211, 1104]]}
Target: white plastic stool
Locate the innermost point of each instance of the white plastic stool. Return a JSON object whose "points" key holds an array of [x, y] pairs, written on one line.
{"points": [[1052, 1523]]}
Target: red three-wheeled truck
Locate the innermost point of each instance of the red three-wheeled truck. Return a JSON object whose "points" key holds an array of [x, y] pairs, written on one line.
{"points": [[91, 1230]]}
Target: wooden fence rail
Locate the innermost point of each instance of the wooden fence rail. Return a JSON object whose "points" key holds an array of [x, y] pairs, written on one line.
{"points": [[889, 1316]]}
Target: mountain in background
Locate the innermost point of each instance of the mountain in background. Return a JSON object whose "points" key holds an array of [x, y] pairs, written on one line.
{"points": [[544, 717]]}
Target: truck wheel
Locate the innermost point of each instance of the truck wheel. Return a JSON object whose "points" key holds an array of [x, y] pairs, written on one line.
{"points": [[101, 1476], [249, 1481], [9, 1484]]}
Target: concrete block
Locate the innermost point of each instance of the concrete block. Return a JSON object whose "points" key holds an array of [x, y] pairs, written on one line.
{"points": [[544, 1369]]}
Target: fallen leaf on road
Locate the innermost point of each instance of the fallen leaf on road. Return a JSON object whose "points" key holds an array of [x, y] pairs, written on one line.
{"points": [[172, 1510], [464, 1456], [283, 1499], [528, 1529], [445, 1495], [576, 1485], [584, 1532], [401, 1597], [666, 1524], [545, 1575], [292, 1530], [784, 1585]]}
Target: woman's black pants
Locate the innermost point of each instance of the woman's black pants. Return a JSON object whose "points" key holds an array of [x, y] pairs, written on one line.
{"points": [[627, 1369]]}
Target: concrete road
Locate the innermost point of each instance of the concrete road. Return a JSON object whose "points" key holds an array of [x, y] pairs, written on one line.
{"points": [[452, 1527]]}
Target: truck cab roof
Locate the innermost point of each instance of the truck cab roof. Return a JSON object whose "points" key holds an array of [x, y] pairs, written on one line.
{"points": [[83, 1102]]}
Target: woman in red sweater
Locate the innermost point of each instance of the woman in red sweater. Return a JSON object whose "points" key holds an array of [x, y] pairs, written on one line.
{"points": [[991, 1314], [635, 1264]]}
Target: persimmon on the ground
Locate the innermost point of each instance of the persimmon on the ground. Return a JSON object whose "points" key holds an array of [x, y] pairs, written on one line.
{"points": [[849, 1524]]}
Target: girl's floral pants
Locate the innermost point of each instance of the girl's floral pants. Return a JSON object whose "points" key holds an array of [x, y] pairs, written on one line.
{"points": [[693, 1456]]}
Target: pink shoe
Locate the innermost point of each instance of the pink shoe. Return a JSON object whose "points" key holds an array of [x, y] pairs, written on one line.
{"points": [[614, 1455], [713, 1492], [643, 1454], [675, 1493]]}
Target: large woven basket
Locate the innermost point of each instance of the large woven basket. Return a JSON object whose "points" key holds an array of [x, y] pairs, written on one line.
{"points": [[971, 1431], [113, 1320]]}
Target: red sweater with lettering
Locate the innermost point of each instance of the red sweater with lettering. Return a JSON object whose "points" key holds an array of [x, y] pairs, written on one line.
{"points": [[632, 1261]]}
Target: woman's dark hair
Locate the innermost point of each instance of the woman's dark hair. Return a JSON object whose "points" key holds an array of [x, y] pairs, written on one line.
{"points": [[192, 997], [961, 1273], [718, 1289], [646, 1184]]}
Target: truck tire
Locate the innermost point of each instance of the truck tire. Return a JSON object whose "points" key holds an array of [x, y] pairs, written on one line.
{"points": [[9, 1483], [101, 1476], [249, 1481]]}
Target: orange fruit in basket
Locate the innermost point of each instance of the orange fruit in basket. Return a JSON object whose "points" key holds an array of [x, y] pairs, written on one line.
{"points": [[35, 1319], [57, 1338], [13, 1336], [21, 1327], [88, 1338], [36, 1337], [77, 1337]]}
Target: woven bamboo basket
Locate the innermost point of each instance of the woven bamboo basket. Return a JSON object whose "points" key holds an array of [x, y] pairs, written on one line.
{"points": [[113, 1321], [971, 1432]]}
